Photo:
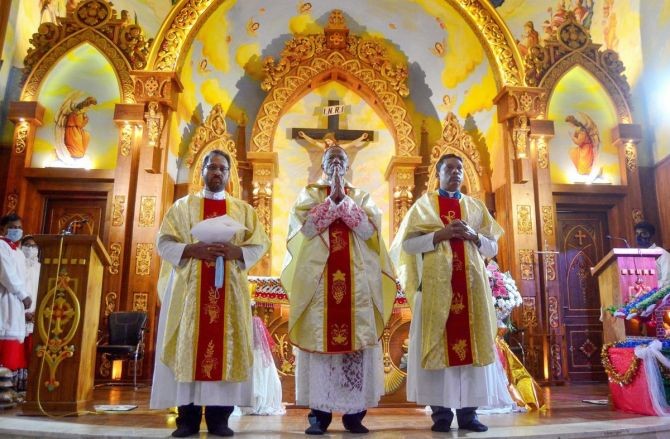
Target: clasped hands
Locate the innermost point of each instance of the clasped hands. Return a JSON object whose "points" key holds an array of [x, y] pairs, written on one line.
{"points": [[455, 229], [337, 193], [211, 251]]}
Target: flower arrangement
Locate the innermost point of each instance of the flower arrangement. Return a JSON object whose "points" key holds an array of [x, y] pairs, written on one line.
{"points": [[506, 295], [642, 304]]}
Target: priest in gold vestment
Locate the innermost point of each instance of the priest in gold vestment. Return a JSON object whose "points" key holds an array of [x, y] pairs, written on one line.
{"points": [[341, 289], [204, 347], [439, 255]]}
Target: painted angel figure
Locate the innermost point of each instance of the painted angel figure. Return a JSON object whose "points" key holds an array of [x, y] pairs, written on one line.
{"points": [[71, 136], [316, 147], [587, 141]]}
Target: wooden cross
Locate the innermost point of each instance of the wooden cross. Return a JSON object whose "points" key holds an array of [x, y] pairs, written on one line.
{"points": [[333, 127]]}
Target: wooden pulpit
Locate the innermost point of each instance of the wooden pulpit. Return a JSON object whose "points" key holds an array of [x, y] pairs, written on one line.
{"points": [[622, 273], [61, 366]]}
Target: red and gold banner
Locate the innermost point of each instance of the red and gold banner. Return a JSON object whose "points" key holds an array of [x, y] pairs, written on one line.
{"points": [[339, 286], [210, 333], [458, 341]]}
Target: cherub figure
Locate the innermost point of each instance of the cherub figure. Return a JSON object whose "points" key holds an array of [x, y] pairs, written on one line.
{"points": [[316, 147]]}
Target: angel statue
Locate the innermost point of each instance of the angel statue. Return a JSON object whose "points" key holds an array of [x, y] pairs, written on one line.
{"points": [[587, 141], [316, 147], [71, 136]]}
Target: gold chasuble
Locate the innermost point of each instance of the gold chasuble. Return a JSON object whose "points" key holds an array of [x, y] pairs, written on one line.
{"points": [[458, 318], [350, 311], [208, 335]]}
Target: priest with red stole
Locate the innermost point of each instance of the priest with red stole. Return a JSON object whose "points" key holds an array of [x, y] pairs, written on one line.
{"points": [[205, 339], [341, 288], [439, 253]]}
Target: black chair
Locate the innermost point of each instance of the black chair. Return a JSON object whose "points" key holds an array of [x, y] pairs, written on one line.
{"points": [[125, 339]]}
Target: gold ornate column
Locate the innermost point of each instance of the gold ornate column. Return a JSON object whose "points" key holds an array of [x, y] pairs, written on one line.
{"points": [[400, 175], [517, 205], [625, 137], [264, 171], [27, 116]]}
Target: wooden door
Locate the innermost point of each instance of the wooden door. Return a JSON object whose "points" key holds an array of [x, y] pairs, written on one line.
{"points": [[581, 244], [61, 212]]}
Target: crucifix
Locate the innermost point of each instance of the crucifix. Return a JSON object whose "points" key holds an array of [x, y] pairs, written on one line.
{"points": [[318, 139]]}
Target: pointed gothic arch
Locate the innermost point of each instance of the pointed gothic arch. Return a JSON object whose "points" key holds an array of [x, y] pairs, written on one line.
{"points": [[122, 43], [210, 135]]}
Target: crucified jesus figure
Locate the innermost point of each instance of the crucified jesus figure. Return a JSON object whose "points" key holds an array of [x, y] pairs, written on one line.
{"points": [[315, 149]]}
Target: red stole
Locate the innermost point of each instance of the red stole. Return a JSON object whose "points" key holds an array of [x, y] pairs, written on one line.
{"points": [[458, 345], [210, 334], [338, 288], [10, 243]]}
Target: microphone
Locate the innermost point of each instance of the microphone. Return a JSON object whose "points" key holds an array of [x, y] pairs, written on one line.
{"points": [[70, 226], [614, 238]]}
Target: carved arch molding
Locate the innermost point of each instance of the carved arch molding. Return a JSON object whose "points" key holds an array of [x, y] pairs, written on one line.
{"points": [[186, 18], [94, 22]]}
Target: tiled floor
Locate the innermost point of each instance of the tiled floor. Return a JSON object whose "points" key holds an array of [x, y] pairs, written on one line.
{"points": [[566, 417]]}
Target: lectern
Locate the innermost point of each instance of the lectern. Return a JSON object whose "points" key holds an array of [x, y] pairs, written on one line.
{"points": [[61, 366], [622, 273]]}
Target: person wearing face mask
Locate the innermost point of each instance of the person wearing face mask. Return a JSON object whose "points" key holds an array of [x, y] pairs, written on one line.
{"points": [[30, 251], [14, 298], [644, 234], [341, 288]]}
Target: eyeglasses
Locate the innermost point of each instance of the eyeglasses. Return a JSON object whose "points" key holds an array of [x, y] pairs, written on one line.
{"points": [[214, 167]]}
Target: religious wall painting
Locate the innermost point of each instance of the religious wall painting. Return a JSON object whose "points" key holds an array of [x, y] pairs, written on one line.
{"points": [[79, 96], [582, 151], [297, 158]]}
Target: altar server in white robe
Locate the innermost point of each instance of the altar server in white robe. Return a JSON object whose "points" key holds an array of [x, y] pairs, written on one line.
{"points": [[205, 338], [439, 255]]}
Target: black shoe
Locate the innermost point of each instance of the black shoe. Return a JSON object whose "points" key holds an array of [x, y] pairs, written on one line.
{"points": [[222, 430], [356, 428], [473, 425], [185, 431], [314, 429], [441, 426], [353, 422]]}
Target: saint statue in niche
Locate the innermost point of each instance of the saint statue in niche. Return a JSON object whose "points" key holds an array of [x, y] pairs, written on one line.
{"points": [[316, 147], [70, 131], [587, 141]]}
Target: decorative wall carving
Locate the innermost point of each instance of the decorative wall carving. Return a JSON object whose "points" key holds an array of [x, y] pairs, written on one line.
{"points": [[12, 201], [115, 256], [455, 140], [22, 130], [183, 24], [550, 266], [140, 301], [143, 253], [126, 139], [630, 154], [571, 45], [523, 219], [521, 132], [402, 200], [118, 210], [154, 120], [96, 22], [638, 216], [547, 220], [556, 361], [110, 303], [553, 312], [527, 264], [147, 216], [528, 313], [261, 199]]}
